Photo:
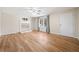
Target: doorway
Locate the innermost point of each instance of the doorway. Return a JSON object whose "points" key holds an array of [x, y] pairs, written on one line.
{"points": [[41, 23]]}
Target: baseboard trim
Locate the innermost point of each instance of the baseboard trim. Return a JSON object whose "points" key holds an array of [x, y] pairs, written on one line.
{"points": [[64, 35], [10, 33]]}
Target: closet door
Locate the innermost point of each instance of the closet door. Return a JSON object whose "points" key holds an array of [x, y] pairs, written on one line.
{"points": [[67, 24]]}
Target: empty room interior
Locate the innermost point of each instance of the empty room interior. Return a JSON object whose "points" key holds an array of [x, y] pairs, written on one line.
{"points": [[39, 29]]}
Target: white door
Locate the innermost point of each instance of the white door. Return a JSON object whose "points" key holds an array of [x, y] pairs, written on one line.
{"points": [[42, 26], [67, 24]]}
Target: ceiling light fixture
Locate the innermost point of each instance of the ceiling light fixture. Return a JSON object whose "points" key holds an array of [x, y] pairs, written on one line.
{"points": [[35, 11]]}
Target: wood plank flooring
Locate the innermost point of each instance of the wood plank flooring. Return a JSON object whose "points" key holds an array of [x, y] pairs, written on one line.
{"points": [[38, 42]]}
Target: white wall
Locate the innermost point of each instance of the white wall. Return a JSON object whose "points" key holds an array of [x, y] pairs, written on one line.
{"points": [[0, 22], [55, 24], [77, 23], [9, 23]]}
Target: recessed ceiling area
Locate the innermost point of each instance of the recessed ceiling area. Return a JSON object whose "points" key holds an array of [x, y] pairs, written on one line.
{"points": [[34, 11]]}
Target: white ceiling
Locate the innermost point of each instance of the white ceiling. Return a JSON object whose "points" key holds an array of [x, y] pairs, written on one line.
{"points": [[25, 10]]}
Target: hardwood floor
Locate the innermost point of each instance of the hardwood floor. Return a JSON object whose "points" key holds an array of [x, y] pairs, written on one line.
{"points": [[37, 42]]}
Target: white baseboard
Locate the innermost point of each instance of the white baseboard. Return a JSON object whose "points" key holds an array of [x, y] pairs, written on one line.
{"points": [[64, 35], [8, 33], [26, 31], [0, 35], [77, 37]]}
